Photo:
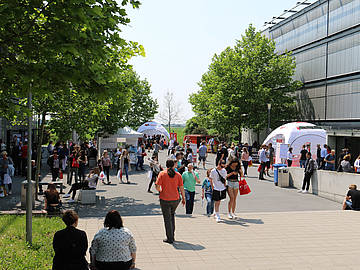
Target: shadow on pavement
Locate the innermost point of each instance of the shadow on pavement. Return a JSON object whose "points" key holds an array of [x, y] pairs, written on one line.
{"points": [[180, 245], [125, 205]]}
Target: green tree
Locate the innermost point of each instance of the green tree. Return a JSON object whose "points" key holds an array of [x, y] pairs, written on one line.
{"points": [[143, 106], [58, 45], [241, 81]]}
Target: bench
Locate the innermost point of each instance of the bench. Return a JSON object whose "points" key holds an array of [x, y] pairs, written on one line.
{"points": [[56, 183], [87, 196]]}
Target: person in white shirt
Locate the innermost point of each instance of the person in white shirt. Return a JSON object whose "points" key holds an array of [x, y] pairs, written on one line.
{"points": [[89, 183], [357, 165], [218, 184], [262, 160], [290, 157], [171, 145]]}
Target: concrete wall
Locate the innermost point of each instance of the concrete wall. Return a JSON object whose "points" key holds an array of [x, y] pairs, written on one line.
{"points": [[326, 184]]}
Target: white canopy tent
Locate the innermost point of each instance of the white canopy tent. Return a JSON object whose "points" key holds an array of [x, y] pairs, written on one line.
{"points": [[153, 128], [123, 135], [297, 134]]}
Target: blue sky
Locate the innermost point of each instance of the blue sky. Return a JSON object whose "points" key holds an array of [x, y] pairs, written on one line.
{"points": [[180, 38]]}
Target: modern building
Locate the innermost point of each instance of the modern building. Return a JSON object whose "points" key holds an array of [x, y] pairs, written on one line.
{"points": [[324, 37]]}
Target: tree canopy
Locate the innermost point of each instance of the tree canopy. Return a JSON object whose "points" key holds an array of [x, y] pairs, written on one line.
{"points": [[241, 81], [63, 44]]}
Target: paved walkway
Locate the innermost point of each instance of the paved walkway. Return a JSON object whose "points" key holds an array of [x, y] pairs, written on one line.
{"points": [[282, 240]]}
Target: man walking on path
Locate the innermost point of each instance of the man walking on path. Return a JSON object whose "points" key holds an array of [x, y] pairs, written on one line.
{"points": [[262, 160], [141, 152], [190, 178], [309, 170], [202, 154], [168, 184]]}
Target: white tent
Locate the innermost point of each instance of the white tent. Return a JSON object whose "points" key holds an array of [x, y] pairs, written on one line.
{"points": [[123, 135], [297, 134], [153, 128]]}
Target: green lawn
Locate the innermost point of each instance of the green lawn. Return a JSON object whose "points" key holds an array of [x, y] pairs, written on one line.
{"points": [[16, 254], [179, 131]]}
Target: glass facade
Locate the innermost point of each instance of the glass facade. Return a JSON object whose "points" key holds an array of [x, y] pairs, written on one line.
{"points": [[325, 41]]}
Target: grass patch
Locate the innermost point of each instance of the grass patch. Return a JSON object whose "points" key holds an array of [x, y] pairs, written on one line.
{"points": [[180, 133], [16, 254]]}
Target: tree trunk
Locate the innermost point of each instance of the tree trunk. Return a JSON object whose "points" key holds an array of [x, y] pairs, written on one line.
{"points": [[38, 158]]}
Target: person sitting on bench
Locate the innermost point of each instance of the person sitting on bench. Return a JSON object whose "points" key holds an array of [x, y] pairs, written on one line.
{"points": [[89, 183], [52, 202]]}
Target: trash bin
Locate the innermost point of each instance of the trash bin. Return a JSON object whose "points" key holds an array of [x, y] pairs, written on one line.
{"points": [[283, 177], [276, 170], [92, 162], [24, 185]]}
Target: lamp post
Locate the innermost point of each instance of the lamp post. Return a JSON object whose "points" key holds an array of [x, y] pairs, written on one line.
{"points": [[268, 127]]}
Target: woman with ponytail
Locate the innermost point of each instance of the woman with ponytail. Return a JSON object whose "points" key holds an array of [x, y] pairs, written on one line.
{"points": [[168, 184]]}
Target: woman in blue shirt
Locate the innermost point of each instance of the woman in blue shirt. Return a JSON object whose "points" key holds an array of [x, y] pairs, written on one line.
{"points": [[207, 194]]}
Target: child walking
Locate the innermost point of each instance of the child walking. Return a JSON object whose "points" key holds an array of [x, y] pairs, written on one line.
{"points": [[207, 194]]}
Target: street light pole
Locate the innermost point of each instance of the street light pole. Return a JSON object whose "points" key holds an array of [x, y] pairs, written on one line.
{"points": [[268, 127]]}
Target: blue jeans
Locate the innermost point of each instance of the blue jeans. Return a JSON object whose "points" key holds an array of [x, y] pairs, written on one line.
{"points": [[302, 163], [210, 203], [189, 197], [140, 162], [126, 169]]}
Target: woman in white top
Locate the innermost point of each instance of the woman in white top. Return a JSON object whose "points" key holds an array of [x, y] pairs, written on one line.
{"points": [[357, 165], [89, 183], [245, 159], [218, 184], [290, 157], [113, 247]]}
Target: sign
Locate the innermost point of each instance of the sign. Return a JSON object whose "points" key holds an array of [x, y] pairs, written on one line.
{"points": [[281, 152], [173, 135], [193, 147]]}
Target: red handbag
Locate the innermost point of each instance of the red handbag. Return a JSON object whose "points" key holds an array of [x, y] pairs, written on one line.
{"points": [[61, 176], [244, 187], [259, 168]]}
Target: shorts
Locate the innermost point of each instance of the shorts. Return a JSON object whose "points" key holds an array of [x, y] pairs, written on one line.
{"points": [[202, 158], [267, 164], [219, 195], [233, 184]]}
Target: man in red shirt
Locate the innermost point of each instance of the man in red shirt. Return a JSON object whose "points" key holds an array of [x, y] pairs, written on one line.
{"points": [[168, 183]]}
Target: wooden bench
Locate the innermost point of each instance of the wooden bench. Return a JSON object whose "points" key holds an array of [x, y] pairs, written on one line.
{"points": [[87, 196], [57, 183]]}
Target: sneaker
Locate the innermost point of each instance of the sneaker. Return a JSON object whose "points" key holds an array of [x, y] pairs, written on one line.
{"points": [[217, 218], [233, 215], [305, 191], [230, 216], [66, 196], [71, 201], [149, 191], [168, 241], [300, 191], [2, 195], [10, 192]]}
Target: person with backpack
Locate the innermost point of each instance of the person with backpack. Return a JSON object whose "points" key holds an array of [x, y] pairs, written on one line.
{"points": [[310, 167]]}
